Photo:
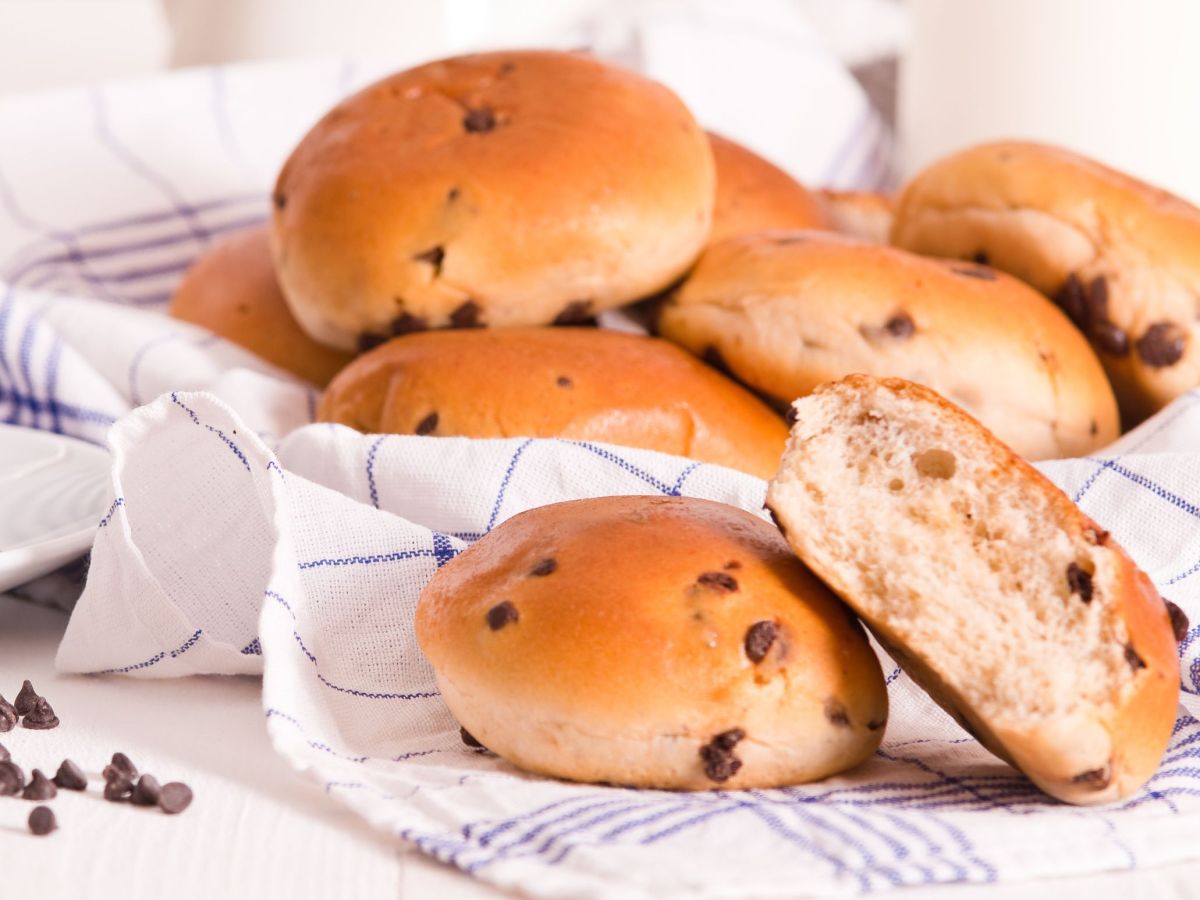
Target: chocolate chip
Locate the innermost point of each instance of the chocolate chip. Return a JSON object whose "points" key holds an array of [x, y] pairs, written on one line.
{"points": [[146, 792], [935, 463], [565, 382], [718, 581], [479, 120], [981, 273], [8, 716], [1079, 582], [1131, 657], [41, 717], [1109, 338], [759, 638], [407, 323], [433, 256], [836, 713], [876, 724], [369, 340], [1097, 300], [719, 762], [41, 821], [118, 790], [26, 698], [1162, 345], [1179, 621], [547, 566], [900, 326], [466, 315], [175, 798], [12, 779], [1095, 779], [1070, 298], [121, 768], [280, 201], [39, 788], [470, 739], [428, 424], [980, 257], [502, 614], [70, 777], [577, 312]]}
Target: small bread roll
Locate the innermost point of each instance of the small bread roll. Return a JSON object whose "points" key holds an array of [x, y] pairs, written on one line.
{"points": [[1122, 258], [787, 311], [859, 214], [658, 642], [754, 195], [579, 383], [1017, 613], [498, 189], [231, 290]]}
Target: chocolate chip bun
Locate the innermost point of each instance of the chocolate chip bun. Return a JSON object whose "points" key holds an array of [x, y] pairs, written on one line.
{"points": [[860, 214], [497, 189], [579, 383], [658, 642], [787, 311], [1120, 257], [231, 290], [1020, 615], [754, 195]]}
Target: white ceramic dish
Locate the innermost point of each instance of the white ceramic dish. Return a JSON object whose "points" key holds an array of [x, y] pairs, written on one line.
{"points": [[53, 492]]}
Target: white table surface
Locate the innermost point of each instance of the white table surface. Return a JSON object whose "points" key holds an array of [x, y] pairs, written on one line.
{"points": [[256, 828]]}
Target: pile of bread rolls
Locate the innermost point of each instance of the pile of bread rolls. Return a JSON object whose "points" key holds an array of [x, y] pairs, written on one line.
{"points": [[442, 243]]}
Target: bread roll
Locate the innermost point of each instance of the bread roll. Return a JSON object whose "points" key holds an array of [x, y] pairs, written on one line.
{"points": [[1019, 614], [231, 290], [658, 642], [1122, 258], [859, 214], [787, 311], [579, 383], [498, 189], [754, 195]]}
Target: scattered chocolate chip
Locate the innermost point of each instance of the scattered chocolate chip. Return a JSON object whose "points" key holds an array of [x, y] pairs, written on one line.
{"points": [[118, 790], [1179, 621], [407, 323], [41, 821], [1131, 657], [479, 120], [26, 698], [836, 713], [547, 566], [121, 768], [564, 382], [280, 201], [12, 779], [900, 326], [467, 315], [577, 312], [981, 273], [1096, 779], [713, 357], [470, 740], [502, 614], [759, 638], [1096, 301], [718, 581], [1162, 345], [8, 716], [719, 762], [428, 424], [175, 798], [980, 257], [935, 463], [39, 788], [41, 717], [1079, 582], [433, 256], [146, 792], [876, 724], [1110, 339], [369, 340], [70, 777], [1070, 298]]}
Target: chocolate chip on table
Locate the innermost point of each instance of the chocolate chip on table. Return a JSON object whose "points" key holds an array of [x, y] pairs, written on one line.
{"points": [[1096, 779], [466, 315], [547, 566], [719, 762], [8, 716], [479, 120], [41, 717], [1079, 582], [1162, 345], [41, 821], [146, 792], [718, 581], [70, 777], [428, 424], [433, 256], [26, 698], [980, 272], [175, 798], [836, 713], [120, 768], [40, 787], [1179, 620], [12, 779], [1110, 338], [577, 312], [1131, 657], [502, 614], [1071, 299], [407, 323], [759, 638], [118, 790], [900, 326], [470, 740]]}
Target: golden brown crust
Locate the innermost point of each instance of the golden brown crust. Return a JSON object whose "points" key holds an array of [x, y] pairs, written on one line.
{"points": [[1045, 214], [754, 195], [231, 290], [497, 189], [787, 311], [860, 214], [577, 383], [626, 647]]}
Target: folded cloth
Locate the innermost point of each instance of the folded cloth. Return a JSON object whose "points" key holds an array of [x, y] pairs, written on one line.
{"points": [[241, 539]]}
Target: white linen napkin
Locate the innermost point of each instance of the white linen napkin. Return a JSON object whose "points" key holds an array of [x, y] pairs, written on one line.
{"points": [[242, 540]]}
